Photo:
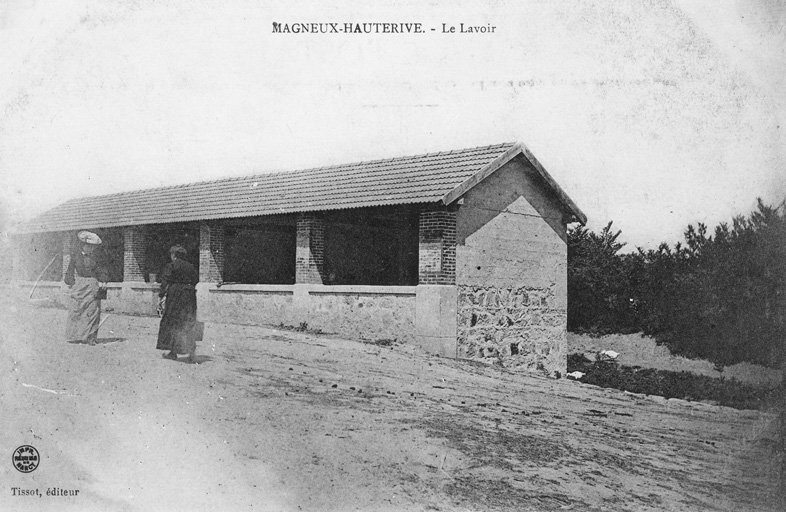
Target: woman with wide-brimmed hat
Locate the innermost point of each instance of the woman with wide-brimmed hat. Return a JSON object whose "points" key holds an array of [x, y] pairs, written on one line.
{"points": [[84, 275], [176, 331]]}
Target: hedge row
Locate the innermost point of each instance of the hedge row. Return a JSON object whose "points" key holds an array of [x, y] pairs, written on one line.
{"points": [[669, 384], [719, 297]]}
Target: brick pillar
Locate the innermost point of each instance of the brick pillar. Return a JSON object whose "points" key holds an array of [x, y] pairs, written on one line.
{"points": [[437, 247], [134, 248], [211, 252], [310, 252], [70, 245], [402, 237]]}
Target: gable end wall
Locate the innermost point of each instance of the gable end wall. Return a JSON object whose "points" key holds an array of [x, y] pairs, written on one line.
{"points": [[511, 272]]}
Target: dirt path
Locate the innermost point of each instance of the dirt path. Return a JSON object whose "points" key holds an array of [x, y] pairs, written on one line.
{"points": [[277, 420]]}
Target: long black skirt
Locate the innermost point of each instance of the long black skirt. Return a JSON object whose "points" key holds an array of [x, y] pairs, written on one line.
{"points": [[176, 331]]}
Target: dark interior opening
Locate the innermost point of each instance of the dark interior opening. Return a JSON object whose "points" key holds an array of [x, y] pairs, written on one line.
{"points": [[160, 238], [260, 254], [111, 252], [371, 246]]}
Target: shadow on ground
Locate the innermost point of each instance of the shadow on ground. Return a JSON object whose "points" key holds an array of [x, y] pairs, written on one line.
{"points": [[99, 341], [197, 360], [104, 341]]}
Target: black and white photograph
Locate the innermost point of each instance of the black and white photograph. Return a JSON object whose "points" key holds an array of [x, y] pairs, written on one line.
{"points": [[470, 256]]}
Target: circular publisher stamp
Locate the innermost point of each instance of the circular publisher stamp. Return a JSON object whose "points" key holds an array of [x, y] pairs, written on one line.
{"points": [[25, 458]]}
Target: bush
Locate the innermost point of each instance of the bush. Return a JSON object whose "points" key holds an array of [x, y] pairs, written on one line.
{"points": [[598, 283]]}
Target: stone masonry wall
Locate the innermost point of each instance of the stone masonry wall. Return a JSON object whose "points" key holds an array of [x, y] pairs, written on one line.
{"points": [[372, 316], [521, 327]]}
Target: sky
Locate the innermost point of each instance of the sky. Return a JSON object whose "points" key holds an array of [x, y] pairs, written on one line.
{"points": [[653, 114]]}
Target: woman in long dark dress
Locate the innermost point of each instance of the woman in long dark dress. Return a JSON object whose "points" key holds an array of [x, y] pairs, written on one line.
{"points": [[176, 331], [83, 276]]}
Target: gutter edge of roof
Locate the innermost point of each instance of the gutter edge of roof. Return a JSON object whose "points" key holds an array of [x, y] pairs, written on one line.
{"points": [[20, 229]]}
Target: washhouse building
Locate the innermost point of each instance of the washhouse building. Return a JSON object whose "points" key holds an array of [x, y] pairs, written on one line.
{"points": [[462, 252]]}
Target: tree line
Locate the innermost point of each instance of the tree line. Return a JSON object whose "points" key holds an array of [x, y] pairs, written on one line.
{"points": [[719, 296]]}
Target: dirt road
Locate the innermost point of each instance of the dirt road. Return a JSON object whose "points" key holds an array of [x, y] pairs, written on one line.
{"points": [[285, 421]]}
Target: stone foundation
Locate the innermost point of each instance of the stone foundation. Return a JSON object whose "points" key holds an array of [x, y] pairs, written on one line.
{"points": [[519, 327], [363, 314], [357, 312]]}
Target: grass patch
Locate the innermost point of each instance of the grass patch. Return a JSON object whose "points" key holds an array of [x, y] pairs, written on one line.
{"points": [[669, 384]]}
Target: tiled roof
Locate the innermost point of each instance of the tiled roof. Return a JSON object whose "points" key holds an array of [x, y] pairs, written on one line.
{"points": [[416, 179]]}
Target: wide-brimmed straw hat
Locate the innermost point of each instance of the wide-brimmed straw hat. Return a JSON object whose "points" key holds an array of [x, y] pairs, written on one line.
{"points": [[86, 237]]}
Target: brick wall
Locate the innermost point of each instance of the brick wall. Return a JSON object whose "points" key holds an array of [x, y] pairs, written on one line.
{"points": [[310, 252], [211, 251], [134, 249], [437, 247], [70, 244]]}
